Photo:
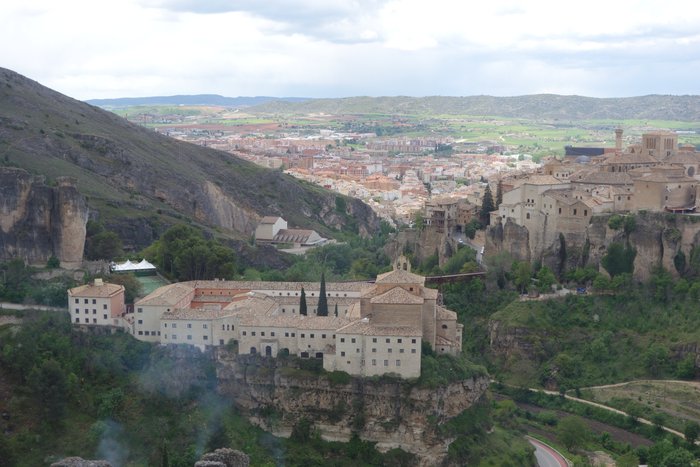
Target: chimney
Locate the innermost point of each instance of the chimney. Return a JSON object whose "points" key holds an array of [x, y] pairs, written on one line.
{"points": [[618, 139], [98, 282]]}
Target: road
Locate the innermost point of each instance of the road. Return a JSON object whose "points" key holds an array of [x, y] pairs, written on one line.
{"points": [[546, 456]]}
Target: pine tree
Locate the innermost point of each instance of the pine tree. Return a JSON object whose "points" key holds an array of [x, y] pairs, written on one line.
{"points": [[336, 310], [322, 298], [486, 206], [499, 194], [302, 303]]}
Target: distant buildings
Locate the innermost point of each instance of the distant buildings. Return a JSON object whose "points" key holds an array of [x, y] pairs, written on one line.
{"points": [[98, 303], [274, 230]]}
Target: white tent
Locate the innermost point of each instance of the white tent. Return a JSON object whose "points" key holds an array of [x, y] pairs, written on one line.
{"points": [[128, 266]]}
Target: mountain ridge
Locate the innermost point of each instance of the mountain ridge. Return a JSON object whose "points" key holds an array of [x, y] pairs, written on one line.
{"points": [[191, 99]]}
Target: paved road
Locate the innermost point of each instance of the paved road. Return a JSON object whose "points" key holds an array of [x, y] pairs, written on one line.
{"points": [[546, 456]]}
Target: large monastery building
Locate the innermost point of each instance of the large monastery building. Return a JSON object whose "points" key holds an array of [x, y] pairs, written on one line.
{"points": [[379, 327]]}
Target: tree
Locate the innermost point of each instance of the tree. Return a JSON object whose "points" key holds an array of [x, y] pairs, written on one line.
{"points": [[132, 286], [691, 432], [499, 194], [104, 245], [572, 432], [619, 259], [335, 312], [487, 205], [48, 381], [545, 279], [523, 274], [302, 303], [322, 309]]}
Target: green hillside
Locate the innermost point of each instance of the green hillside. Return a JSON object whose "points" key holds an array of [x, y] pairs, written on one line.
{"points": [[538, 106]]}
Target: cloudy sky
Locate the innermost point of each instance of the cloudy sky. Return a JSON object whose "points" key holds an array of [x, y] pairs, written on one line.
{"points": [[330, 48]]}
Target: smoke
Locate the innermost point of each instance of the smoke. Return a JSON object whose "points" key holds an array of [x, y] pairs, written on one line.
{"points": [[110, 448]]}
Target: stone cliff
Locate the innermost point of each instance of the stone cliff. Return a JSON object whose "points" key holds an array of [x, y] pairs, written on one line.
{"points": [[659, 239], [39, 221], [391, 413]]}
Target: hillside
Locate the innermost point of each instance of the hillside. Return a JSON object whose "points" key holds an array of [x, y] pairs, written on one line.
{"points": [[539, 106], [139, 182], [198, 99]]}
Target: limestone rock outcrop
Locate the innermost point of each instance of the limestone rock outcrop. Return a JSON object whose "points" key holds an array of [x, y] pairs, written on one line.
{"points": [[38, 221], [224, 457], [392, 413], [80, 462]]}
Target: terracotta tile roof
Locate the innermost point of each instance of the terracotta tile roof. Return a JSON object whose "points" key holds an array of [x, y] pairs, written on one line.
{"points": [[445, 314], [398, 296], [96, 291], [363, 327], [399, 276], [167, 295], [605, 178]]}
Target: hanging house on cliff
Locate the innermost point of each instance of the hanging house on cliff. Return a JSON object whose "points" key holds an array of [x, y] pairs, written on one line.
{"points": [[379, 327]]}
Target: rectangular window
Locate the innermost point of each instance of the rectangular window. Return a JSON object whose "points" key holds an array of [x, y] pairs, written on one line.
{"points": [[165, 325], [165, 336], [141, 333], [398, 362], [104, 306], [252, 333], [374, 362], [294, 334], [413, 341], [342, 354], [399, 340], [206, 338], [388, 340], [312, 336], [244, 333], [77, 300], [174, 325], [262, 333], [189, 337], [286, 334], [189, 325], [386, 362], [204, 326], [94, 301], [352, 340], [140, 321], [77, 310], [272, 333], [374, 350], [342, 339], [221, 342], [303, 335], [389, 350], [413, 350], [104, 316], [357, 350], [94, 320], [85, 301], [174, 337], [374, 339], [400, 350], [94, 312], [140, 310], [323, 336], [77, 320]]}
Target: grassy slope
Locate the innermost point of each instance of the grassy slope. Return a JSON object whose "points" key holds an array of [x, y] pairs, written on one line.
{"points": [[122, 165]]}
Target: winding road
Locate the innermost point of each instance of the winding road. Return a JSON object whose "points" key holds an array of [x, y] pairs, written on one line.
{"points": [[547, 456]]}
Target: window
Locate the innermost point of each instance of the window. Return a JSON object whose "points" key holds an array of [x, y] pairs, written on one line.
{"points": [[286, 334], [189, 337], [104, 306], [77, 320], [303, 335], [374, 339], [140, 310], [262, 333], [357, 350], [374, 350], [323, 336], [141, 333], [342, 354], [146, 333], [252, 333], [352, 340], [294, 334], [272, 333], [389, 350], [189, 325], [388, 340], [95, 301], [223, 327], [94, 320], [386, 362], [574, 212], [85, 301], [94, 312], [244, 333], [221, 342], [413, 350], [374, 362], [77, 310], [206, 338], [140, 321], [104, 316], [77, 300], [400, 350], [399, 341], [413, 341], [444, 326], [342, 339], [312, 336], [174, 325], [174, 337], [204, 326], [398, 362]]}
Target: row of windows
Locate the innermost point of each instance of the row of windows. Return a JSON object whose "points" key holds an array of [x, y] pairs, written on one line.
{"points": [[189, 325], [87, 320], [374, 339], [357, 350], [94, 301], [94, 312], [189, 337], [328, 294], [149, 333]]}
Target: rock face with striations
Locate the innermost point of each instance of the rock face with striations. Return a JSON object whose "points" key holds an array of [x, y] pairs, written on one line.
{"points": [[392, 413], [39, 221]]}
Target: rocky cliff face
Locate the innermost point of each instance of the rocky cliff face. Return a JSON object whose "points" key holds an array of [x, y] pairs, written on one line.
{"points": [[38, 221], [393, 414], [657, 237]]}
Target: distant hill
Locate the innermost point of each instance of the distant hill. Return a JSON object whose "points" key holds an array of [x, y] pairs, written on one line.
{"points": [[139, 182], [198, 99], [538, 106]]}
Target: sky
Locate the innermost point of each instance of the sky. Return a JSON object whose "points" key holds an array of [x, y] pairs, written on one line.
{"points": [[327, 48]]}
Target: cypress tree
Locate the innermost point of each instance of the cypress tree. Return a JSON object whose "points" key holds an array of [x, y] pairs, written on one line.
{"points": [[322, 298], [336, 310], [302, 303], [487, 206], [499, 194]]}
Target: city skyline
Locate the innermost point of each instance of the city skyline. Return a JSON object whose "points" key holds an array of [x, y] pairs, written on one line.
{"points": [[314, 48]]}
